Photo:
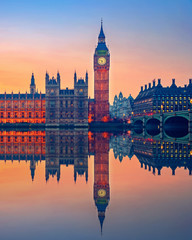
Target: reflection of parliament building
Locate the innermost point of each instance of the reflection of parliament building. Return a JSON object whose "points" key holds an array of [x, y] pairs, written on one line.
{"points": [[72, 147], [67, 148], [55, 147], [63, 147]]}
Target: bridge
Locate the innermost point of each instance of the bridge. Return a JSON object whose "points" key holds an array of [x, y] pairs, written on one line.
{"points": [[162, 122]]}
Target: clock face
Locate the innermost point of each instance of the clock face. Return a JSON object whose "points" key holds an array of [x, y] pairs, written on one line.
{"points": [[101, 193], [101, 61]]}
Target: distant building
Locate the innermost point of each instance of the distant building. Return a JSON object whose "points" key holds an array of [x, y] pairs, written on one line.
{"points": [[122, 107], [157, 98]]}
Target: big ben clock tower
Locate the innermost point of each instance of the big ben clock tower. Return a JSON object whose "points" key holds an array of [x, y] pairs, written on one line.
{"points": [[101, 79]]}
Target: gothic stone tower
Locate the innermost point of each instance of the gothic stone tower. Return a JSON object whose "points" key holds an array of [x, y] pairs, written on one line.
{"points": [[81, 101], [52, 87], [32, 85], [101, 78], [101, 174]]}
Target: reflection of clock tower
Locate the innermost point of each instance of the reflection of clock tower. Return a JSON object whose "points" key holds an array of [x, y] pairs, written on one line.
{"points": [[101, 78], [101, 174]]}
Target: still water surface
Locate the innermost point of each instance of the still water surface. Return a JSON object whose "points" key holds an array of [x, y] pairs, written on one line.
{"points": [[63, 184]]}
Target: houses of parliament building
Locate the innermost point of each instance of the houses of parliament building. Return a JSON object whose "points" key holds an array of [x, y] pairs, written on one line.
{"points": [[67, 107], [55, 107]]}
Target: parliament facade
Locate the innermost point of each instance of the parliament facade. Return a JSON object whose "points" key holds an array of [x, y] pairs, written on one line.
{"points": [[62, 107], [55, 108]]}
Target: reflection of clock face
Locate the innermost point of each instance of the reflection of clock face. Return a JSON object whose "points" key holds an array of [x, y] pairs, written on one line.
{"points": [[101, 193], [81, 91], [101, 61]]}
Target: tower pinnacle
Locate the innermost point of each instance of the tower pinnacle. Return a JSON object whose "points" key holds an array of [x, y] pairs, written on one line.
{"points": [[32, 79], [101, 216], [101, 34], [32, 85]]}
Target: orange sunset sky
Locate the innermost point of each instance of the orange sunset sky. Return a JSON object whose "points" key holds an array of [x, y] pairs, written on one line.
{"points": [[147, 40]]}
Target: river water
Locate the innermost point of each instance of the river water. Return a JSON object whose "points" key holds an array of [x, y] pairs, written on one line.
{"points": [[75, 184]]}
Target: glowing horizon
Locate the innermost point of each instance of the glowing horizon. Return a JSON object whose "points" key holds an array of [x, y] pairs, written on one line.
{"points": [[146, 41]]}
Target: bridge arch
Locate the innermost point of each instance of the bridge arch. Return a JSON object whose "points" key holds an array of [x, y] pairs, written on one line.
{"points": [[175, 116], [176, 126], [138, 126], [152, 121], [153, 126], [138, 123]]}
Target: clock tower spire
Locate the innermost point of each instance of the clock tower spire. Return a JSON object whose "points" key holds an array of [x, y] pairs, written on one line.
{"points": [[101, 37], [101, 78]]}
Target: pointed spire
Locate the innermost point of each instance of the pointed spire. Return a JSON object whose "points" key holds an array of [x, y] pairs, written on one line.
{"points": [[86, 176], [58, 176], [58, 77], [32, 80], [75, 77], [75, 176], [101, 217], [101, 34], [32, 174], [46, 77], [86, 77]]}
